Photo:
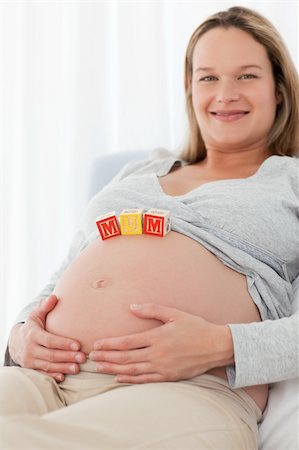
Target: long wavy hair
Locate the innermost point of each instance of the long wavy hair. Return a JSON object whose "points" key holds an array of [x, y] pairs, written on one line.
{"points": [[283, 138]]}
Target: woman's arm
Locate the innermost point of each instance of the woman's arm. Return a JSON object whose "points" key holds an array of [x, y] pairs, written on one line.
{"points": [[264, 352]]}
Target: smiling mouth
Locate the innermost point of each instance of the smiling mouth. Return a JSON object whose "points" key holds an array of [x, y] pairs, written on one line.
{"points": [[229, 113], [229, 116]]}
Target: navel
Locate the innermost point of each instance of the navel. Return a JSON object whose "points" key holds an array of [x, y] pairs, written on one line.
{"points": [[101, 283]]}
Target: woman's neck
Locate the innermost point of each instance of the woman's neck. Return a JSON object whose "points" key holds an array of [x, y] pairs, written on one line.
{"points": [[222, 162]]}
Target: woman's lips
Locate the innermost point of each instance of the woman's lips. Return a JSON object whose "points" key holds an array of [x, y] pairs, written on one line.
{"points": [[229, 116]]}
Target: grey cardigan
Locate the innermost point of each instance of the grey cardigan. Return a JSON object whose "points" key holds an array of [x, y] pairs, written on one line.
{"points": [[250, 224]]}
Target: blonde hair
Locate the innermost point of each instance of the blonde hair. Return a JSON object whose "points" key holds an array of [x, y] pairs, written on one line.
{"points": [[283, 138]]}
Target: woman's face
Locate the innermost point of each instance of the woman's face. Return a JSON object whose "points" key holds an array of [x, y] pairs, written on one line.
{"points": [[233, 90]]}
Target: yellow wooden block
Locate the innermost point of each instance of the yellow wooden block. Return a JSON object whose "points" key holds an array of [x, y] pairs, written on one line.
{"points": [[131, 221]]}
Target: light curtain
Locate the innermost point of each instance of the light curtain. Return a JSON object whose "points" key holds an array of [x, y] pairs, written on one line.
{"points": [[79, 79]]}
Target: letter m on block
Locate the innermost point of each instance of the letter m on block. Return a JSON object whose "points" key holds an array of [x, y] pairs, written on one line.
{"points": [[108, 226], [153, 225]]}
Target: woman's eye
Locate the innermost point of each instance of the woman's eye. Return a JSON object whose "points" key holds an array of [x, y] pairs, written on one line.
{"points": [[247, 76], [208, 78]]}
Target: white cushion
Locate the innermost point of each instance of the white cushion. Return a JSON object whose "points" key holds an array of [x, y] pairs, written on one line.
{"points": [[280, 427]]}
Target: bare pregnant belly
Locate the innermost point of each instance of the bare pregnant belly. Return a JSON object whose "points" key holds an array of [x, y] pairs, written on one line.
{"points": [[99, 285]]}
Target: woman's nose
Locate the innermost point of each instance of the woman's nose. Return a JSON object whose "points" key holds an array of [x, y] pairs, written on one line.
{"points": [[227, 92]]}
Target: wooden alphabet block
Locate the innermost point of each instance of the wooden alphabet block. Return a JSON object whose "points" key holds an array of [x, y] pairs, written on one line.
{"points": [[131, 221], [156, 222], [108, 225]]}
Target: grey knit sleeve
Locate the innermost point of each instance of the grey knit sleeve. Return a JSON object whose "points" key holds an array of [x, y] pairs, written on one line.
{"points": [[264, 352]]}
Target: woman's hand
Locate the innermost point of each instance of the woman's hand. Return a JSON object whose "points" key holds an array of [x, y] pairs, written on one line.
{"points": [[32, 347], [184, 346]]}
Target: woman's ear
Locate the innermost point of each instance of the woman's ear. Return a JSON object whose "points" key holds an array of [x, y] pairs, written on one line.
{"points": [[279, 97]]}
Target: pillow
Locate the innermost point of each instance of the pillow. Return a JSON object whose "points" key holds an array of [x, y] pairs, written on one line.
{"points": [[279, 428], [105, 167]]}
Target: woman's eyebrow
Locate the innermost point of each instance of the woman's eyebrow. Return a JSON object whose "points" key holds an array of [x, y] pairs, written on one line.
{"points": [[246, 66]]}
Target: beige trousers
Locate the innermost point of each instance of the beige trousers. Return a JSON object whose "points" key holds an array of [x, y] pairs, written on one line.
{"points": [[91, 411]]}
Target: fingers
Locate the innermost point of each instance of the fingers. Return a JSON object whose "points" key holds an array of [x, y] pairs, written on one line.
{"points": [[121, 357], [153, 311], [130, 342], [53, 341], [52, 361], [139, 340], [40, 350], [128, 370], [131, 373], [57, 376], [42, 364], [60, 368], [45, 306], [57, 356], [132, 366], [50, 353]]}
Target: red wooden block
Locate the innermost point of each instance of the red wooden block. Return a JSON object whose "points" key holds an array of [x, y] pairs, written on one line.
{"points": [[156, 222], [108, 225]]}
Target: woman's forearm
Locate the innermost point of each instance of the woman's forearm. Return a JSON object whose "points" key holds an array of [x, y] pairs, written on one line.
{"points": [[264, 352]]}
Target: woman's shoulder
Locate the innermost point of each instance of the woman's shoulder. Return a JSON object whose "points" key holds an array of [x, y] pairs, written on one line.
{"points": [[291, 161], [285, 164], [285, 170]]}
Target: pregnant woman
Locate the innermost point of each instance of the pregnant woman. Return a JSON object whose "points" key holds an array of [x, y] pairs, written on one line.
{"points": [[143, 309]]}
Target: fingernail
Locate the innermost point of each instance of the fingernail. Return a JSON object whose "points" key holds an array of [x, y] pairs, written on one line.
{"points": [[79, 358], [74, 346], [73, 368], [92, 356], [59, 378], [97, 345], [135, 306], [119, 379]]}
